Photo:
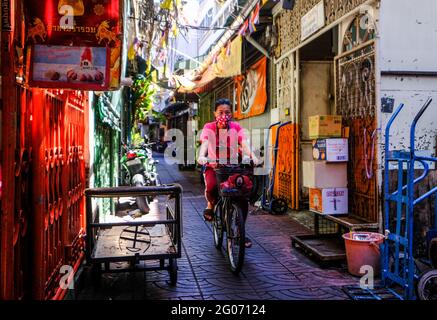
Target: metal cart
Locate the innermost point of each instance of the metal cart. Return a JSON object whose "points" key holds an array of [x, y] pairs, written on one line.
{"points": [[156, 236], [400, 266], [268, 202]]}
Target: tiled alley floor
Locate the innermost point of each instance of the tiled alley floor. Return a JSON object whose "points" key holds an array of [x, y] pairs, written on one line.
{"points": [[272, 269]]}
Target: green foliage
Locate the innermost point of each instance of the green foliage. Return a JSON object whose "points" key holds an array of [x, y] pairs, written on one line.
{"points": [[142, 101], [136, 139], [143, 92], [159, 116]]}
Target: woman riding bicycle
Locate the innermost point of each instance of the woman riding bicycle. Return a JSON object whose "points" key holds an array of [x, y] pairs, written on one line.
{"points": [[223, 142]]}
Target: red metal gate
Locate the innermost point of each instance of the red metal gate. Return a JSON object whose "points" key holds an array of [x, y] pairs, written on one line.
{"points": [[43, 175], [58, 187], [47, 213]]}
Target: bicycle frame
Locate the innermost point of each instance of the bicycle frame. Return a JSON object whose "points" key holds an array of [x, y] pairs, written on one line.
{"points": [[226, 206]]}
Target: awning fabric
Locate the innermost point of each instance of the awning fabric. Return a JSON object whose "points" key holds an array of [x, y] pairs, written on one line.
{"points": [[227, 64]]}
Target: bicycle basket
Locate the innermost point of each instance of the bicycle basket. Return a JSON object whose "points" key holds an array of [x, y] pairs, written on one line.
{"points": [[234, 181]]}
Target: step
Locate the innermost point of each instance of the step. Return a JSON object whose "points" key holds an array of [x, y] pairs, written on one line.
{"points": [[325, 248], [350, 221]]}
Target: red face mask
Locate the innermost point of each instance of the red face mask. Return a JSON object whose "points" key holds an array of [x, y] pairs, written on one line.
{"points": [[223, 121]]}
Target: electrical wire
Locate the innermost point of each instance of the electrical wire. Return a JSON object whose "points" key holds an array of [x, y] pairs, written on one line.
{"points": [[204, 28]]}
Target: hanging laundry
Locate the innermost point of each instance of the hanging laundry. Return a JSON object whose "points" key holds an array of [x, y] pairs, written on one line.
{"points": [[166, 4]]}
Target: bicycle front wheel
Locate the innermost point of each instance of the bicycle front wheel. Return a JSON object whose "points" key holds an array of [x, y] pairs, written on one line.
{"points": [[217, 226], [235, 238]]}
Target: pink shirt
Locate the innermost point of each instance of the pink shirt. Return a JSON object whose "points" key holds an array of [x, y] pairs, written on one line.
{"points": [[226, 140]]}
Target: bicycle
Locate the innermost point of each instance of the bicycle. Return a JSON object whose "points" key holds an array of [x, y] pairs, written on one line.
{"points": [[233, 184]]}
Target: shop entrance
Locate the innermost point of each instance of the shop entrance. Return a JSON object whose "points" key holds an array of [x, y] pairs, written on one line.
{"points": [[337, 77], [340, 79], [317, 90]]}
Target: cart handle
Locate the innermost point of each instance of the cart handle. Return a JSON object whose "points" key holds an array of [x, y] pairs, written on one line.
{"points": [[274, 124], [388, 127], [134, 191], [413, 124]]}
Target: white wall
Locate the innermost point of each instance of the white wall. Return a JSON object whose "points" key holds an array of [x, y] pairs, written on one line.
{"points": [[408, 32], [413, 92], [256, 126], [408, 43]]}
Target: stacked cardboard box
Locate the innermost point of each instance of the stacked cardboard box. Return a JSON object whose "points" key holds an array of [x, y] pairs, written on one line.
{"points": [[326, 175]]}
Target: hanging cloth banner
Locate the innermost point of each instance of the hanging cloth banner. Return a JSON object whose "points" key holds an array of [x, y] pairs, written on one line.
{"points": [[243, 28], [251, 91], [227, 64], [229, 60]]}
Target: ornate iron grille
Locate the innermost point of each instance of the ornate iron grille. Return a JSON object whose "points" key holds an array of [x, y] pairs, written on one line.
{"points": [[288, 22], [285, 83], [355, 102]]}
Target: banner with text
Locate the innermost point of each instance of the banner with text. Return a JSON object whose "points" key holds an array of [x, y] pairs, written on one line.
{"points": [[251, 91]]}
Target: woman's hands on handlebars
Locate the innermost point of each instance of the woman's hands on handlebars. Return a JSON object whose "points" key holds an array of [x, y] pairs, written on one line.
{"points": [[202, 160], [255, 161]]}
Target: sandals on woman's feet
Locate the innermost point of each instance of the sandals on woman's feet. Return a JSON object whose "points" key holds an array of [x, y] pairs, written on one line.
{"points": [[247, 243], [208, 214]]}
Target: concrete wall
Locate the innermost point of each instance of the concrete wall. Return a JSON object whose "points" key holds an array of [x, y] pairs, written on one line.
{"points": [[407, 45], [406, 51], [408, 32]]}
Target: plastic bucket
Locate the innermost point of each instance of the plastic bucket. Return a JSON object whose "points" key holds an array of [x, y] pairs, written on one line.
{"points": [[362, 249]]}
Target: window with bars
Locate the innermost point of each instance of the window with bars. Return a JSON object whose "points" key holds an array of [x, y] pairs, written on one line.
{"points": [[226, 91]]}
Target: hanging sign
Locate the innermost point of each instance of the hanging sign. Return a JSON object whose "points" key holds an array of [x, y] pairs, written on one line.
{"points": [[74, 29], [313, 21], [74, 22], [72, 67], [251, 91]]}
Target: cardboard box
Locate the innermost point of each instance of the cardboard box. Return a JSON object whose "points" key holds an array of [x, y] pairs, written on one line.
{"points": [[329, 201], [321, 174], [325, 127], [331, 150]]}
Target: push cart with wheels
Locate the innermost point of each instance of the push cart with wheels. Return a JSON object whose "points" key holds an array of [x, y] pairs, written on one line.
{"points": [[400, 265], [268, 202], [121, 240], [403, 269]]}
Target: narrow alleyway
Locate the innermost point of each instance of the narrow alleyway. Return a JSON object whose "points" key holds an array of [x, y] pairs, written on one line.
{"points": [[272, 270]]}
